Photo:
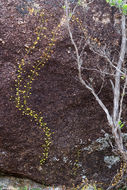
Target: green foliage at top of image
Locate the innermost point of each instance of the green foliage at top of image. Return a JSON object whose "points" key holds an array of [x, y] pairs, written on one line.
{"points": [[119, 4]]}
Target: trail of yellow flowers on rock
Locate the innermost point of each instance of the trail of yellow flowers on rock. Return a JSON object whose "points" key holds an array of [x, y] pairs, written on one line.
{"points": [[23, 90]]}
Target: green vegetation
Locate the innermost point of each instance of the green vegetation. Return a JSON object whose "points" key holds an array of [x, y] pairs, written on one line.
{"points": [[121, 124], [119, 4]]}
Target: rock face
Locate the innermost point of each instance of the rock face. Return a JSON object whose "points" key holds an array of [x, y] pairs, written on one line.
{"points": [[70, 111], [13, 183]]}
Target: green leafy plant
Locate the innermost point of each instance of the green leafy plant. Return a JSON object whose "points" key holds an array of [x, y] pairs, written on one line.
{"points": [[119, 4], [79, 2], [121, 125]]}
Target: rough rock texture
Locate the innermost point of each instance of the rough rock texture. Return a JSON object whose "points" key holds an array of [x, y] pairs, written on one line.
{"points": [[14, 183], [70, 111]]}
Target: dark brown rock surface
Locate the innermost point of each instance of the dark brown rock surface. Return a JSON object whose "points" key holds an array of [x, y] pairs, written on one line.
{"points": [[69, 109]]}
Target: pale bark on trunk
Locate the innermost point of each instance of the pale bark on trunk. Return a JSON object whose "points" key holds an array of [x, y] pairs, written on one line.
{"points": [[113, 119]]}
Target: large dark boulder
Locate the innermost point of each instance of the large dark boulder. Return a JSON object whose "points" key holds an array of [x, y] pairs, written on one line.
{"points": [[70, 111]]}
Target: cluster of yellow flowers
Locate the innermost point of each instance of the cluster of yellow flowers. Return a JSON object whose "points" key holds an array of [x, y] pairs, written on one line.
{"points": [[24, 85], [76, 162], [85, 31], [119, 175]]}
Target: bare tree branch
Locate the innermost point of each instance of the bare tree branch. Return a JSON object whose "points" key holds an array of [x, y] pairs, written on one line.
{"points": [[119, 66], [112, 85], [104, 55], [79, 63], [116, 69], [122, 97]]}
